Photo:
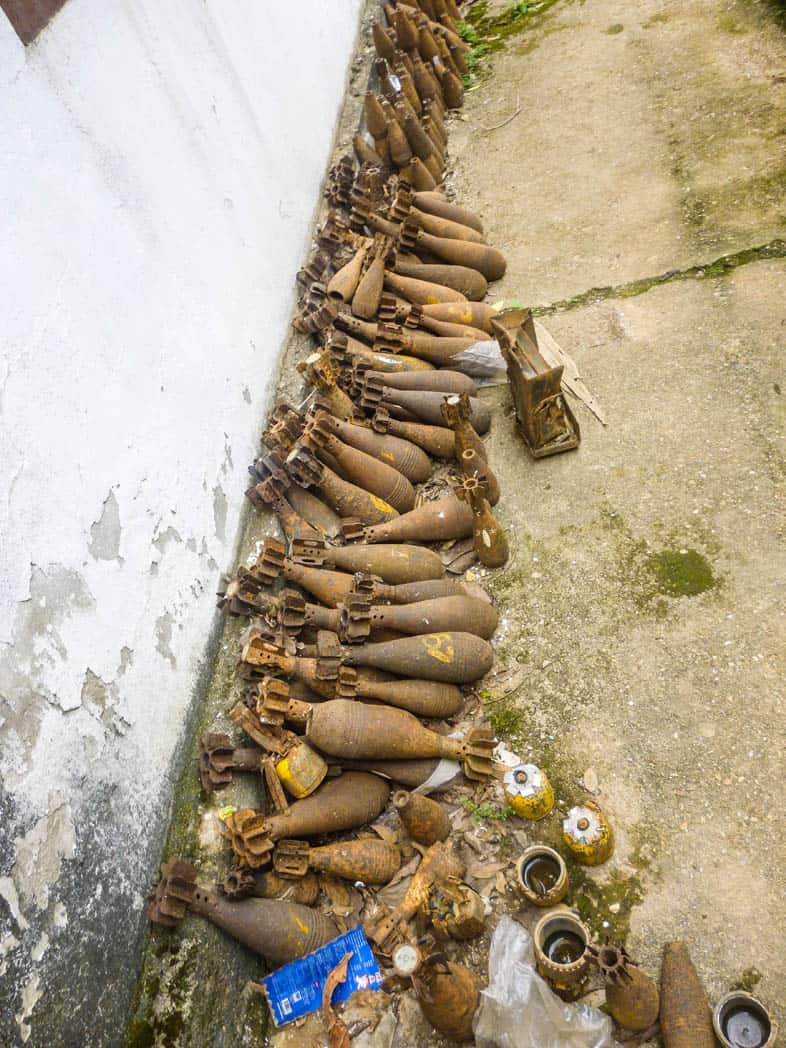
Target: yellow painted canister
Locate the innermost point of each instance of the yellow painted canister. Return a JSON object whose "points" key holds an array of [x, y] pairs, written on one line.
{"points": [[528, 791], [301, 770], [586, 831]]}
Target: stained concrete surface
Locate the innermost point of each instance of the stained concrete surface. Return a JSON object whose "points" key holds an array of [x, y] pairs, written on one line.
{"points": [[668, 707], [653, 148]]}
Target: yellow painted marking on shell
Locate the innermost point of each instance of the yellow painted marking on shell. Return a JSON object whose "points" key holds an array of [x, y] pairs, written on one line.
{"points": [[227, 812], [439, 646], [303, 927], [387, 455], [381, 504], [486, 537]]}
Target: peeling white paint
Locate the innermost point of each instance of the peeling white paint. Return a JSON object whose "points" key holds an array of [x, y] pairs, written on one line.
{"points": [[167, 160]]}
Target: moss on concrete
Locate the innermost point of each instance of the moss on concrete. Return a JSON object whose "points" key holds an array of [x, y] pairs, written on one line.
{"points": [[681, 572]]}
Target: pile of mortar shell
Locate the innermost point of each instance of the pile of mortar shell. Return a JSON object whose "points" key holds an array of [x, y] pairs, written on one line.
{"points": [[364, 635]]}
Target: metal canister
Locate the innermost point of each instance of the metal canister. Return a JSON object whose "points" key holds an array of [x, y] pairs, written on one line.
{"points": [[562, 956], [301, 770], [586, 831], [542, 875], [740, 1019], [528, 791]]}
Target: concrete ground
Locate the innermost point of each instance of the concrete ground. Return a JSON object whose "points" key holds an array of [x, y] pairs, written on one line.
{"points": [[642, 633], [644, 596]]}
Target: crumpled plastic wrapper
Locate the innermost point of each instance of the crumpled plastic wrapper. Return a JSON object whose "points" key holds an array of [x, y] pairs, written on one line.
{"points": [[518, 1010], [483, 361]]}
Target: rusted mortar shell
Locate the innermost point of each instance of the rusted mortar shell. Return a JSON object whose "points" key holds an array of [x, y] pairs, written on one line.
{"points": [[444, 227], [453, 382], [356, 327], [329, 587], [393, 564], [360, 468], [448, 56], [426, 45], [427, 405], [440, 351], [343, 284], [420, 144], [422, 291], [437, 521], [365, 301], [476, 314], [453, 10], [424, 698], [739, 1018], [452, 87], [685, 1017], [284, 425], [345, 803], [403, 455], [218, 759], [464, 280], [449, 995], [369, 860], [456, 413], [436, 440], [347, 499], [445, 329], [452, 657], [406, 773], [278, 931], [490, 543], [456, 911], [403, 69], [438, 204], [383, 43], [631, 996], [425, 821], [318, 371], [561, 943], [300, 770], [481, 257], [341, 345], [240, 882], [433, 130], [240, 596], [400, 151], [359, 616], [411, 592], [588, 835], [376, 222], [418, 175], [473, 465], [358, 731], [406, 33], [426, 83], [365, 153], [542, 876], [375, 116]]}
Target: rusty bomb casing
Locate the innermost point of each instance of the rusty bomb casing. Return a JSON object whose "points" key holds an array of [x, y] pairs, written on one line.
{"points": [[442, 381], [412, 592], [455, 910], [425, 405], [402, 455], [425, 820], [437, 521], [317, 369], [394, 564], [345, 803], [685, 1017], [279, 931], [359, 617], [452, 657], [475, 314], [343, 284], [463, 280], [368, 859], [449, 995], [346, 499], [368, 472], [424, 292], [436, 440], [631, 996]]}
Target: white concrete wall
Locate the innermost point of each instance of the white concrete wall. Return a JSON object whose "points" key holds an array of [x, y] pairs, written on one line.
{"points": [[159, 167]]}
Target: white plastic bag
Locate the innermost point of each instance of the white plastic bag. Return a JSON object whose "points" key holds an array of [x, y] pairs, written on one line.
{"points": [[518, 1010]]}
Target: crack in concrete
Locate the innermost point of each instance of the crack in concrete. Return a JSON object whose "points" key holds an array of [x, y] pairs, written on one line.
{"points": [[719, 267]]}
